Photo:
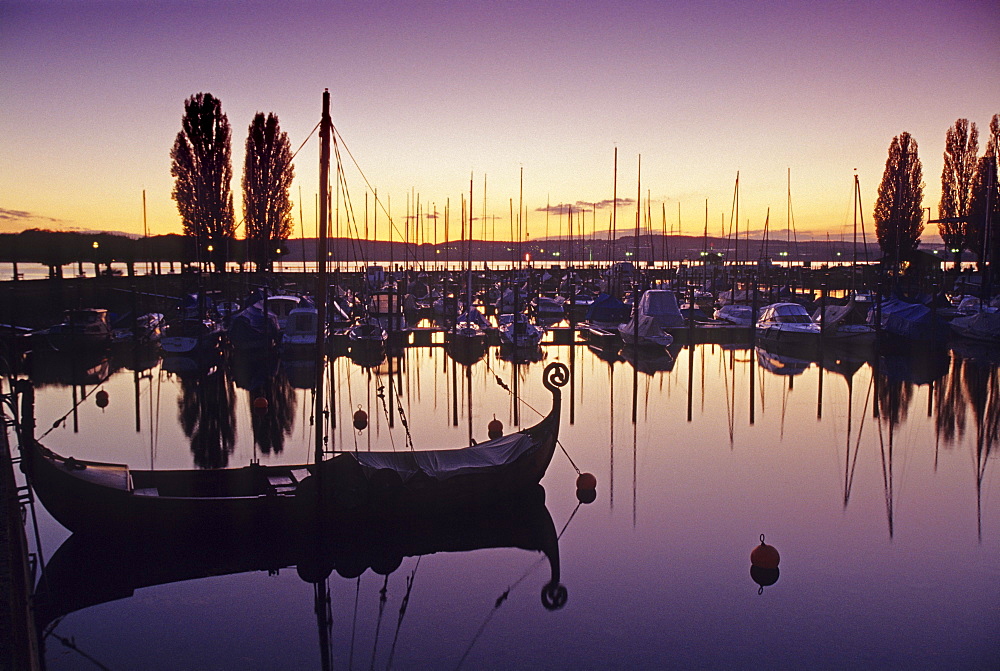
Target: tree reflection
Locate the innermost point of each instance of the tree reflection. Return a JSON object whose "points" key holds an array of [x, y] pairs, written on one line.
{"points": [[207, 412], [264, 378]]}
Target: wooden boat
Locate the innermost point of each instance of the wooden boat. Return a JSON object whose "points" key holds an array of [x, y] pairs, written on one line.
{"points": [[108, 498]]}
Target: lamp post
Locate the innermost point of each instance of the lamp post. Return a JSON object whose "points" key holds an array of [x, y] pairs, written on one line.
{"points": [[97, 261]]}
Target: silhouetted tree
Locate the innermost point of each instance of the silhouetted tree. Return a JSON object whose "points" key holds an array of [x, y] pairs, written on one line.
{"points": [[267, 176], [898, 209], [984, 211], [203, 172], [960, 161]]}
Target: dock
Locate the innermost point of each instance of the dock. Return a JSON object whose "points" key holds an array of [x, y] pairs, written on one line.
{"points": [[18, 638]]}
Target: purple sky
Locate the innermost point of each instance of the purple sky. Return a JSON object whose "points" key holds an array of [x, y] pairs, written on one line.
{"points": [[425, 94]]}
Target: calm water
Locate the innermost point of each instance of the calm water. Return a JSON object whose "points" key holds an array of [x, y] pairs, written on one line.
{"points": [[888, 526]]}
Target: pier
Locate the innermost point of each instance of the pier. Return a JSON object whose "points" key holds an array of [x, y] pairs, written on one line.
{"points": [[18, 639]]}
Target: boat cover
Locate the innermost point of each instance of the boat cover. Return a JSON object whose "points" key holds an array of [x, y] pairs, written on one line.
{"points": [[608, 309], [910, 320], [661, 305], [444, 464]]}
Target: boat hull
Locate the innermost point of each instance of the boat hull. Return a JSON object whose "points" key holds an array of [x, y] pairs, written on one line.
{"points": [[111, 499]]}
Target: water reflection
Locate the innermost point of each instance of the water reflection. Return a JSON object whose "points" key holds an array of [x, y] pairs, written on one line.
{"points": [[206, 407], [68, 369], [87, 571], [270, 395], [866, 467]]}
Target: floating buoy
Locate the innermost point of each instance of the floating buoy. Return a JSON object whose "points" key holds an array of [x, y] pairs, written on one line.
{"points": [[360, 419], [586, 481], [495, 428], [586, 495], [260, 405], [764, 556], [101, 398]]}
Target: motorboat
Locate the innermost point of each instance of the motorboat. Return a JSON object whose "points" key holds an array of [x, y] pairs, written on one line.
{"points": [[787, 324], [80, 329]]}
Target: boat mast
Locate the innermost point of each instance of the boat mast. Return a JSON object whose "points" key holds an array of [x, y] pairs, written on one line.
{"points": [[325, 127]]}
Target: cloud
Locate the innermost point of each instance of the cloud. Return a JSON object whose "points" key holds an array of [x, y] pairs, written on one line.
{"points": [[585, 206], [24, 218]]}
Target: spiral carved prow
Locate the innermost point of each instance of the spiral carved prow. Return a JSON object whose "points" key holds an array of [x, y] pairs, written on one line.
{"points": [[554, 376]]}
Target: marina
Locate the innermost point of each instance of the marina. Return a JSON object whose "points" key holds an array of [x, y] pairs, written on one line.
{"points": [[497, 336], [867, 468]]}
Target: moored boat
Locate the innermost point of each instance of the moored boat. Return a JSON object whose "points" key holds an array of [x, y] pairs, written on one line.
{"points": [[787, 324], [113, 499], [80, 329]]}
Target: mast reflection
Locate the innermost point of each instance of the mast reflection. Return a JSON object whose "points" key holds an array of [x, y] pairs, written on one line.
{"points": [[86, 570]]}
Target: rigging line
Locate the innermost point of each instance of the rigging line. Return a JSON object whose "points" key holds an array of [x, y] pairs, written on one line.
{"points": [[354, 622], [402, 610], [75, 406], [382, 598], [315, 128], [380, 394], [406, 249], [71, 644], [504, 386], [500, 601]]}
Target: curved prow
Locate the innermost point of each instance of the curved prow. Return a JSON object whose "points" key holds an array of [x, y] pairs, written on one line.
{"points": [[554, 376]]}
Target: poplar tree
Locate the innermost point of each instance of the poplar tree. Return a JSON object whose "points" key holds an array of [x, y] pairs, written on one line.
{"points": [[267, 177], [898, 209], [984, 211], [201, 165], [957, 176]]}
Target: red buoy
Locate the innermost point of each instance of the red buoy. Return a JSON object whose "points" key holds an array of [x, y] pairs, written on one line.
{"points": [[495, 428], [260, 405], [586, 481], [764, 555], [360, 419], [101, 398]]}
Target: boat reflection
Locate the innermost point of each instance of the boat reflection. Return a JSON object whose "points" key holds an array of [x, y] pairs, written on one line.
{"points": [[651, 360], [66, 369], [301, 373], [781, 364], [86, 571]]}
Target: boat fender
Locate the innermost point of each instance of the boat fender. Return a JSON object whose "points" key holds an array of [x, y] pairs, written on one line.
{"points": [[494, 428], [360, 419]]}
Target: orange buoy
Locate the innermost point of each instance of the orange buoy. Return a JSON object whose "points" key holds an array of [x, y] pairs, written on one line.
{"points": [[495, 428], [360, 419], [586, 481], [260, 405], [764, 556], [101, 398]]}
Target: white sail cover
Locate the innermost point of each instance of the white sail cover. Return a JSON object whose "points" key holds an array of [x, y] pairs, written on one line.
{"points": [[443, 464]]}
